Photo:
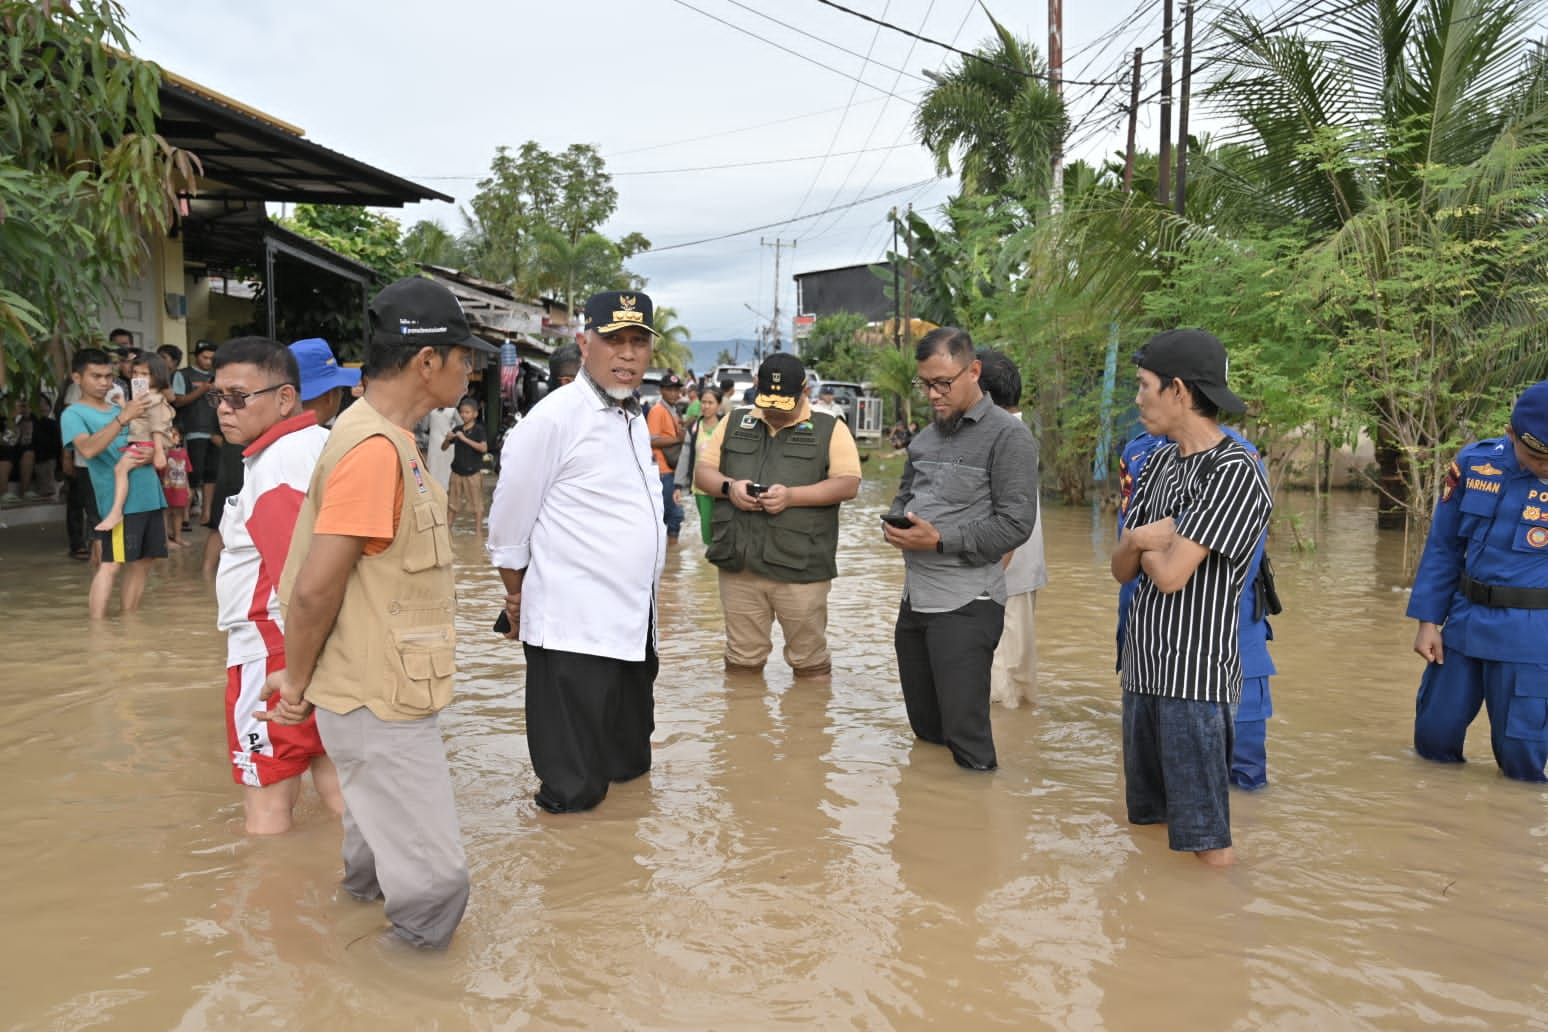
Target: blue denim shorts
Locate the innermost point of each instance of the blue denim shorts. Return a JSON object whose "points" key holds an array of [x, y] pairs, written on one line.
{"points": [[1177, 768]]}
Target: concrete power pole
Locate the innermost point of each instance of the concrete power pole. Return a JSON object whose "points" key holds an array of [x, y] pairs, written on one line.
{"points": [[1134, 85], [777, 245], [1182, 113], [1164, 169], [1056, 86]]}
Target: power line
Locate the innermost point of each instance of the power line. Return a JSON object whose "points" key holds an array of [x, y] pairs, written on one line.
{"points": [[751, 164], [876, 124], [947, 46], [828, 42], [732, 132], [798, 218], [780, 46], [838, 129]]}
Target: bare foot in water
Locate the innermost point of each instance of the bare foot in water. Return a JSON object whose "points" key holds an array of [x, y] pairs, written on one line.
{"points": [[1217, 857]]}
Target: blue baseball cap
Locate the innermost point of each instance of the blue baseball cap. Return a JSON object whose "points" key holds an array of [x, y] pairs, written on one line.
{"points": [[1529, 419], [320, 371]]}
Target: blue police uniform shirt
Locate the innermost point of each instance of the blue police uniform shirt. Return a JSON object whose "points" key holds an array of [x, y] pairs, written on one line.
{"points": [[1253, 636], [1491, 523]]}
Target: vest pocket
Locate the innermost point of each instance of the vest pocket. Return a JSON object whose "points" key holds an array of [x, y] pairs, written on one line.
{"points": [[430, 544], [425, 669], [787, 547]]}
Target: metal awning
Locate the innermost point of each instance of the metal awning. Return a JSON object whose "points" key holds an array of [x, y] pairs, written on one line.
{"points": [[252, 158]]}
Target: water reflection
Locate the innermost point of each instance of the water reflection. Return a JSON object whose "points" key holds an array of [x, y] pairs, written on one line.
{"points": [[793, 859]]}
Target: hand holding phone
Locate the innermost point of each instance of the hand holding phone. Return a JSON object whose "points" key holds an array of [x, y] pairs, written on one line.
{"points": [[901, 522], [502, 624], [755, 490], [139, 385]]}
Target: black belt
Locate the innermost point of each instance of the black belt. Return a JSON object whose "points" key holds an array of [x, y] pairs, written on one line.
{"points": [[1499, 596]]}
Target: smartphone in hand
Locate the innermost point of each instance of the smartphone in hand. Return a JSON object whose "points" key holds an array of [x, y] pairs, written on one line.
{"points": [[756, 489], [139, 385], [901, 522], [502, 624]]}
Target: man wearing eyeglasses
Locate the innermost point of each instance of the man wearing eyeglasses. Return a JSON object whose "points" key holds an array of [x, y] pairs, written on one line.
{"points": [[369, 600], [256, 393], [968, 497]]}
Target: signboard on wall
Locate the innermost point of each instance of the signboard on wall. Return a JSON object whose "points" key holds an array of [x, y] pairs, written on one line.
{"points": [[803, 326]]}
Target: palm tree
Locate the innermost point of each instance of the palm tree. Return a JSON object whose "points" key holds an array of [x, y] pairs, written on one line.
{"points": [[671, 349], [1403, 133], [996, 113], [569, 268], [429, 242]]}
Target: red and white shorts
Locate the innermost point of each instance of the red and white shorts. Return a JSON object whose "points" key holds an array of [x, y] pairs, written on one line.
{"points": [[263, 753]]}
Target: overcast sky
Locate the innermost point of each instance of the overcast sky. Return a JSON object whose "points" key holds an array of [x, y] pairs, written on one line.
{"points": [[428, 91]]}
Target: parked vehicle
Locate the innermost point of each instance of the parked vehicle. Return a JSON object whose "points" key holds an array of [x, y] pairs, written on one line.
{"points": [[741, 377]]}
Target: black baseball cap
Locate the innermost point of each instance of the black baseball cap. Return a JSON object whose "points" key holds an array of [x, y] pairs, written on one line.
{"points": [[1195, 357], [781, 379], [416, 312], [205, 345], [670, 380], [614, 310]]}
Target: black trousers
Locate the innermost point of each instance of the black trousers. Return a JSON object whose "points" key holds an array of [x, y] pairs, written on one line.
{"points": [[80, 508], [943, 665], [589, 721]]}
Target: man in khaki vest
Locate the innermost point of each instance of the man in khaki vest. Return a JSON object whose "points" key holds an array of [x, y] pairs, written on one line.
{"points": [[369, 602]]}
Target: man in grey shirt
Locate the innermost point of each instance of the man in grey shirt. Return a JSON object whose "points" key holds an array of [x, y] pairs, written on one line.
{"points": [[968, 497]]}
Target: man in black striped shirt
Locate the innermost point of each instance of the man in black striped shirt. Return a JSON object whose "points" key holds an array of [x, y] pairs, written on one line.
{"points": [[1199, 509]]}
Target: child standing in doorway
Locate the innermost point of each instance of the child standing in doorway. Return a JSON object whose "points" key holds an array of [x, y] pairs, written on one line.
{"points": [[174, 484], [471, 443], [152, 430]]}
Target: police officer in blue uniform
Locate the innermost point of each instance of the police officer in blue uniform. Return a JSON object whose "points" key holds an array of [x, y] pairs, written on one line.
{"points": [[1249, 755], [1481, 599]]}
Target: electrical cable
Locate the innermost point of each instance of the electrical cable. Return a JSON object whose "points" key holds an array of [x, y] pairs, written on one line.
{"points": [[828, 42], [780, 46], [944, 46], [786, 222], [839, 129]]}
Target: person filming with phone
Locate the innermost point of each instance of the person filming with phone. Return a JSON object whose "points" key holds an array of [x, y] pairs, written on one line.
{"points": [[778, 472]]}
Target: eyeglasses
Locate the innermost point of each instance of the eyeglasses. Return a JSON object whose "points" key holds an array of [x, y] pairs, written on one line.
{"points": [[236, 399], [942, 387]]}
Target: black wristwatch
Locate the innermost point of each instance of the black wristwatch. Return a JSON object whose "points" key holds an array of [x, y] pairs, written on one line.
{"points": [[725, 488]]}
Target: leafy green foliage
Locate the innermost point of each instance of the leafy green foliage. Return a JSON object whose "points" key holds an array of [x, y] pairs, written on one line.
{"points": [[671, 349], [835, 350], [83, 176], [535, 221], [368, 237]]}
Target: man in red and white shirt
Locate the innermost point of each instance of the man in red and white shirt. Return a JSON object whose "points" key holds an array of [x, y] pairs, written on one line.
{"points": [[258, 391]]}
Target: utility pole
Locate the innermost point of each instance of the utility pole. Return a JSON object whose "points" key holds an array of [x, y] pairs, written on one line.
{"points": [[1164, 169], [1056, 86], [908, 284], [777, 245], [897, 287], [1134, 85], [1182, 114]]}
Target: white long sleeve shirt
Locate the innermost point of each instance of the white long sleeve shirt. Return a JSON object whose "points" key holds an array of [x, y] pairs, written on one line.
{"points": [[578, 506]]}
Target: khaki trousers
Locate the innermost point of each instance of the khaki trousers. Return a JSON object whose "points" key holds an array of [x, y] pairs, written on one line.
{"points": [[1013, 676], [752, 603]]}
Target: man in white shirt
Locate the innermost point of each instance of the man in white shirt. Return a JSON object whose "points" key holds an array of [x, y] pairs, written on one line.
{"points": [[577, 534]]}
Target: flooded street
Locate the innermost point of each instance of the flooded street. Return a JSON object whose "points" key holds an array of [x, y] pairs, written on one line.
{"points": [[794, 860]]}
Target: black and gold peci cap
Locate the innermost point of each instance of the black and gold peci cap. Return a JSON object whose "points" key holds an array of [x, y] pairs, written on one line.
{"points": [[614, 310]]}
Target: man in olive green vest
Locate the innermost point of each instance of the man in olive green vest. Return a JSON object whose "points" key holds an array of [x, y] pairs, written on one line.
{"points": [[369, 601], [778, 473]]}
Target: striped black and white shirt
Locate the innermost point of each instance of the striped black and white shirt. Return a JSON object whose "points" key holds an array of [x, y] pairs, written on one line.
{"points": [[1184, 645]]}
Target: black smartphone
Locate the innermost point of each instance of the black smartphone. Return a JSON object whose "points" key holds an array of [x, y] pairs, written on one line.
{"points": [[901, 522], [502, 624], [757, 489]]}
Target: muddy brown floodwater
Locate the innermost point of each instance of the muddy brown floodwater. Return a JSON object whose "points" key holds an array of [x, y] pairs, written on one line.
{"points": [[794, 860]]}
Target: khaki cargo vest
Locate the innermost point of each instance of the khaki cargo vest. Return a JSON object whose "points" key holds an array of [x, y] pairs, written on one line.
{"points": [[798, 545], [393, 648]]}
